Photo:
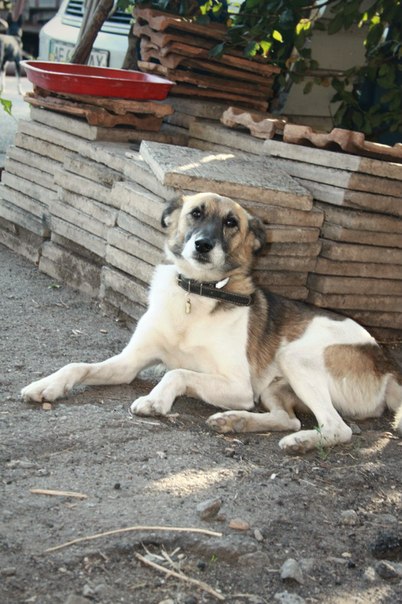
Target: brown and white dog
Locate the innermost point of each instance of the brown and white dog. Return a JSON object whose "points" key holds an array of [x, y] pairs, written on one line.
{"points": [[227, 342]]}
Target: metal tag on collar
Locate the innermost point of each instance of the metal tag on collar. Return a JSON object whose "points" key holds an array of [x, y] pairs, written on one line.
{"points": [[222, 283]]}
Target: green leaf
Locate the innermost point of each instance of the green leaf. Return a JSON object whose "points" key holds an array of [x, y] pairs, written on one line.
{"points": [[7, 105], [277, 36], [308, 87]]}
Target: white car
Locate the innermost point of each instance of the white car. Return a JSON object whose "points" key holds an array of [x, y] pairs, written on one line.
{"points": [[58, 37]]}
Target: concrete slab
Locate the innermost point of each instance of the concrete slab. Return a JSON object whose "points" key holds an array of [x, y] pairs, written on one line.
{"points": [[129, 264], [331, 159], [22, 218], [30, 174], [85, 221], [340, 233], [135, 245], [358, 269], [355, 301], [24, 202], [92, 170], [289, 249], [99, 211], [391, 320], [366, 221], [40, 147], [66, 267], [275, 215], [355, 181], [83, 186], [114, 303], [58, 121], [131, 288], [137, 170], [211, 132], [135, 200], [33, 160], [287, 234], [72, 232], [226, 174], [325, 284], [22, 242], [369, 202], [136, 227], [350, 252], [303, 264], [49, 134]]}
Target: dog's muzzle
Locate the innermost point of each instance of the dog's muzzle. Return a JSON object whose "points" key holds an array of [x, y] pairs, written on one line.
{"points": [[203, 245]]}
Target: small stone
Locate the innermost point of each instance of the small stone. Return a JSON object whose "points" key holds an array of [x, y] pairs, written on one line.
{"points": [[369, 574], [291, 570], [87, 591], [238, 524], [285, 597], [117, 486], [388, 570], [166, 601], [349, 517], [209, 508], [190, 600], [355, 428], [201, 565], [47, 406], [258, 535], [9, 571], [74, 599]]}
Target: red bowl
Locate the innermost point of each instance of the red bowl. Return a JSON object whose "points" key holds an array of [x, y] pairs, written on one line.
{"points": [[69, 78]]}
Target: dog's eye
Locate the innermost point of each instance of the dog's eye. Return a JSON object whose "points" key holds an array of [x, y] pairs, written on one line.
{"points": [[230, 222], [196, 213]]}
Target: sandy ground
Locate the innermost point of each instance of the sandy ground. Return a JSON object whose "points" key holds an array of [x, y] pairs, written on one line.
{"points": [[336, 513]]}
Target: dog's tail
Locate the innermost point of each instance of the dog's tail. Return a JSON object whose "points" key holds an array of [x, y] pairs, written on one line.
{"points": [[393, 399]]}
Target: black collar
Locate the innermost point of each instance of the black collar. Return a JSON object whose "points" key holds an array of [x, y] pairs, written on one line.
{"points": [[211, 290]]}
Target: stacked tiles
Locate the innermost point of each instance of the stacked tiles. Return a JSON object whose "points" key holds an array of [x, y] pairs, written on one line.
{"points": [[292, 224], [181, 51], [359, 269]]}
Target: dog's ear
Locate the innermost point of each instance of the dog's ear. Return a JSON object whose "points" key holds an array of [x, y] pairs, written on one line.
{"points": [[174, 205], [257, 228]]}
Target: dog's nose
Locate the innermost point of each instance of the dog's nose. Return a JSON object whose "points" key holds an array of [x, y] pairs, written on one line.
{"points": [[203, 246]]}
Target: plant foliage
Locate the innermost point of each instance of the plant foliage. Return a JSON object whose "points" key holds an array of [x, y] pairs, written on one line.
{"points": [[369, 95]]}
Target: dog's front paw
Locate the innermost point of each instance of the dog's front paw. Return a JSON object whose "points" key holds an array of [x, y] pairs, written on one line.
{"points": [[228, 421], [148, 405], [46, 389]]}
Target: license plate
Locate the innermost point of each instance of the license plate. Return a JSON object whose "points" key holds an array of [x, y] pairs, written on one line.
{"points": [[62, 52]]}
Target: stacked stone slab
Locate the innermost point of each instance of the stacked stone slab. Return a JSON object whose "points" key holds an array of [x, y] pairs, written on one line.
{"points": [[358, 270], [292, 224]]}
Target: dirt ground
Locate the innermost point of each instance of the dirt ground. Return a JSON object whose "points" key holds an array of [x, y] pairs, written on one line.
{"points": [[336, 513]]}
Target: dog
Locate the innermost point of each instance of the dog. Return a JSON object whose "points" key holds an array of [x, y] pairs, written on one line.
{"points": [[11, 50], [231, 344]]}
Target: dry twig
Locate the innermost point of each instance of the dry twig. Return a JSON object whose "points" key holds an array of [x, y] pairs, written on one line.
{"points": [[170, 572], [130, 529], [59, 493]]}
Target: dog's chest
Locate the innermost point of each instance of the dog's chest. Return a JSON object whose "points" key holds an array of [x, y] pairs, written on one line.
{"points": [[203, 339]]}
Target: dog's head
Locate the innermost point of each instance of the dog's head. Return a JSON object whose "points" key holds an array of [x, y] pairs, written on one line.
{"points": [[210, 236]]}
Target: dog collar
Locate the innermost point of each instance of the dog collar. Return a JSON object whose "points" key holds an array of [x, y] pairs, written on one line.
{"points": [[211, 290]]}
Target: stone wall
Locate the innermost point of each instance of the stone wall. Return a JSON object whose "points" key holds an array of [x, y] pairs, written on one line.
{"points": [[87, 211]]}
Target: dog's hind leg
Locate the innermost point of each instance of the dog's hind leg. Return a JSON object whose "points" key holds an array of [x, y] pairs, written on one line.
{"points": [[393, 400], [122, 368], [280, 401], [308, 379]]}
